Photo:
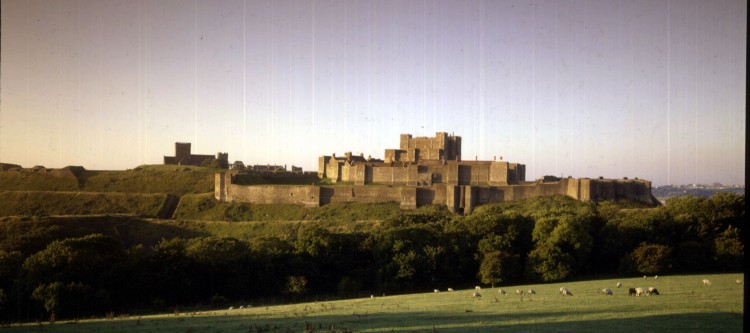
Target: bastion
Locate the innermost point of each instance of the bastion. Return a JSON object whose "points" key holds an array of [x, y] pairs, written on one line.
{"points": [[427, 171]]}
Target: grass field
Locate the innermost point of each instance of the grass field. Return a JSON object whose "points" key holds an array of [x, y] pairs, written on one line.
{"points": [[685, 305], [40, 203]]}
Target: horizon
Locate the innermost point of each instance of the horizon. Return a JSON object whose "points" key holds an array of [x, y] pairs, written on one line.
{"points": [[654, 90]]}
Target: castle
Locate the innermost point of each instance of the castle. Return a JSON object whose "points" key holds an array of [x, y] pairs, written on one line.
{"points": [[424, 171], [421, 161], [182, 156]]}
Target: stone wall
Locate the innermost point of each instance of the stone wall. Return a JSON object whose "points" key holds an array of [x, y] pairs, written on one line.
{"points": [[458, 198]]}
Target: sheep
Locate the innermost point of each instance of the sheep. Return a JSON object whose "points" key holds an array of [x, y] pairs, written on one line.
{"points": [[502, 292], [532, 292], [706, 282], [519, 292], [640, 291], [436, 291], [607, 291], [231, 308], [477, 288], [619, 284], [631, 291], [242, 307], [450, 289], [738, 281], [477, 294], [565, 291], [653, 291], [645, 277], [656, 276]]}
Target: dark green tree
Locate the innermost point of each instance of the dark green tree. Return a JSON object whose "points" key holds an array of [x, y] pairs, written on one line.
{"points": [[729, 249], [652, 259]]}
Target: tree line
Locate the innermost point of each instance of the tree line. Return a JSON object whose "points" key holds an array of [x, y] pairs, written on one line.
{"points": [[538, 240]]}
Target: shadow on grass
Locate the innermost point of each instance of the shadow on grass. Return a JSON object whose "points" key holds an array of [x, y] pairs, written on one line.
{"points": [[237, 321]]}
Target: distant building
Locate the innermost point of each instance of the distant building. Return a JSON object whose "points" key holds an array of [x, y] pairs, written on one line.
{"points": [[268, 168], [183, 156]]}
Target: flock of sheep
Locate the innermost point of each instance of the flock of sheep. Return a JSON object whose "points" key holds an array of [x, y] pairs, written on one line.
{"points": [[565, 291], [639, 291]]}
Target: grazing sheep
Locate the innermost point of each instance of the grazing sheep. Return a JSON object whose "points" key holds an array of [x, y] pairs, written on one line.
{"points": [[532, 292], [477, 288], [656, 276], [502, 292], [653, 291], [231, 308], [565, 291], [738, 281], [436, 291], [607, 291], [519, 292], [619, 284], [477, 294], [645, 277], [631, 292], [640, 291], [242, 307], [450, 289], [706, 282]]}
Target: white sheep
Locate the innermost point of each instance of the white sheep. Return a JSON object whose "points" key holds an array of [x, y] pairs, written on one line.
{"points": [[502, 292], [640, 291], [231, 308], [738, 281], [607, 291], [656, 276], [653, 291], [450, 289], [619, 284], [519, 292], [565, 291], [532, 292], [706, 282], [645, 276], [477, 294], [477, 288], [242, 307], [436, 291]]}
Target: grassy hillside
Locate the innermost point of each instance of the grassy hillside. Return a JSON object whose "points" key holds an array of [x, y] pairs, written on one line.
{"points": [[41, 203], [685, 305], [33, 233], [31, 181], [173, 179], [205, 207]]}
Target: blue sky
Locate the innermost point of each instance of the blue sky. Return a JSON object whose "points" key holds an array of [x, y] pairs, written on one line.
{"points": [[648, 89]]}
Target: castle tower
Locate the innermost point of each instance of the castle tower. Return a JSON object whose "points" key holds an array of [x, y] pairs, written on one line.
{"points": [[182, 152]]}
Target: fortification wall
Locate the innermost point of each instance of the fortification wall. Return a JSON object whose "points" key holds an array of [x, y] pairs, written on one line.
{"points": [[458, 198], [272, 194], [395, 175], [364, 194], [431, 195]]}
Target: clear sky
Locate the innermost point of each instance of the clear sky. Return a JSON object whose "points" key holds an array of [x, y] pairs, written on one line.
{"points": [[648, 89]]}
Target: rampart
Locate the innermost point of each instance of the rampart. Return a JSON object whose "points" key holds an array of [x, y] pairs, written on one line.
{"points": [[458, 198]]}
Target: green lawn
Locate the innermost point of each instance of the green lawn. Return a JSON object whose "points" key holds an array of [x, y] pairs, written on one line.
{"points": [[685, 305]]}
